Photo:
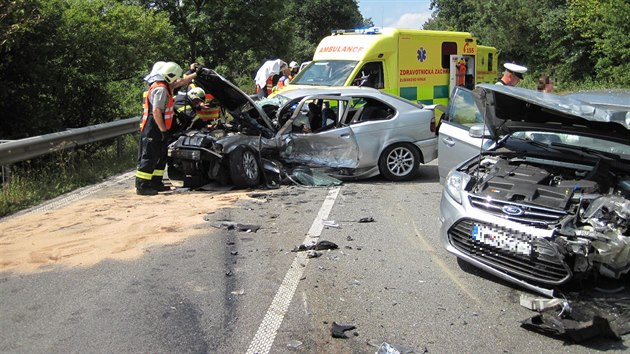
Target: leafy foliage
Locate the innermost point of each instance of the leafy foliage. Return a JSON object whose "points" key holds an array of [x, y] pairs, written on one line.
{"points": [[58, 73], [573, 40]]}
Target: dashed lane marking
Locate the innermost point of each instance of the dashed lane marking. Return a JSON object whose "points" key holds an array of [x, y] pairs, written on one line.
{"points": [[266, 334]]}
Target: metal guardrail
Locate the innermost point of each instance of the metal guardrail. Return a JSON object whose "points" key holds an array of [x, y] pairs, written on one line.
{"points": [[24, 149]]}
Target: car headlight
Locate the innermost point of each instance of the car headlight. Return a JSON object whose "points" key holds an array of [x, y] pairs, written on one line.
{"points": [[455, 183]]}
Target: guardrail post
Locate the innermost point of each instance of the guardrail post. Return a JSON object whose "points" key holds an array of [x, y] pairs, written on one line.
{"points": [[5, 171], [119, 146]]}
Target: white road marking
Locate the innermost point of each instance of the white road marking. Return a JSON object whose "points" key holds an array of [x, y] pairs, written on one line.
{"points": [[266, 334]]}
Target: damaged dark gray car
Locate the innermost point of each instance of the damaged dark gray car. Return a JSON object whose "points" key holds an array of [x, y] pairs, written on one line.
{"points": [[545, 201], [351, 132]]}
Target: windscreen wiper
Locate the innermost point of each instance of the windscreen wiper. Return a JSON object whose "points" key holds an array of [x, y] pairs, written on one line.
{"points": [[590, 151]]}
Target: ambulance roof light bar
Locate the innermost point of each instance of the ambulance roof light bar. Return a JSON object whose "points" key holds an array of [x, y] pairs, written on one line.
{"points": [[370, 30]]}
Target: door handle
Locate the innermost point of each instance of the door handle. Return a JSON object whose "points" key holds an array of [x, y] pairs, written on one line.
{"points": [[344, 135], [448, 141]]}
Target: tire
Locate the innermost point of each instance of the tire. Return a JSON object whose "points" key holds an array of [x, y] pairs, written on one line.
{"points": [[244, 168], [399, 162]]}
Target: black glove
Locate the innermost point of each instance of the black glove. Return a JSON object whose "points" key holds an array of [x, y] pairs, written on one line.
{"points": [[166, 136], [199, 70]]}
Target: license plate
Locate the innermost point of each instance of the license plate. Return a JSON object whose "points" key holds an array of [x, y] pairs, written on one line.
{"points": [[501, 239]]}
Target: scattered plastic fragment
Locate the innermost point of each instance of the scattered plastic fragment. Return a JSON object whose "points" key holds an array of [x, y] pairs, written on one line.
{"points": [[238, 292], [330, 223], [368, 219], [228, 225], [539, 303], [338, 330], [319, 246], [294, 344], [387, 348]]}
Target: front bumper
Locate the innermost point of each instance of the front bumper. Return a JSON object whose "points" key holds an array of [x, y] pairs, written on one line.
{"points": [[514, 252]]}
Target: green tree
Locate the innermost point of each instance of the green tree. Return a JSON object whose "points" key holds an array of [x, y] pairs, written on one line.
{"points": [[79, 65], [314, 20], [604, 25]]}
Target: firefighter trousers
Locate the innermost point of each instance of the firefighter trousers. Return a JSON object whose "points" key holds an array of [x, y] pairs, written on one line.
{"points": [[152, 153]]}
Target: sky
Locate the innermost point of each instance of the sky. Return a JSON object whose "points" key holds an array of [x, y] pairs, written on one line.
{"points": [[396, 13]]}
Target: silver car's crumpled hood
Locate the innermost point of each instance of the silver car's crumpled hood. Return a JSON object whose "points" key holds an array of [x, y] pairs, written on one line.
{"points": [[510, 109]]}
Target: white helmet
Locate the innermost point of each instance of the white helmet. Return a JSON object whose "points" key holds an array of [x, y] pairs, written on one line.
{"points": [[170, 71], [157, 66], [197, 93], [293, 65]]}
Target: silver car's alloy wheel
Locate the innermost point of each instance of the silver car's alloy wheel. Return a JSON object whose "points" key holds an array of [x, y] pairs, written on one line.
{"points": [[250, 165], [400, 161], [243, 166]]}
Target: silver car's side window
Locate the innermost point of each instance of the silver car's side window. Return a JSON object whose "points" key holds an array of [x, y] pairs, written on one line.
{"points": [[463, 111]]}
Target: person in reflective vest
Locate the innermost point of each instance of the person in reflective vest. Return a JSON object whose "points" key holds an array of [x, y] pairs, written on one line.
{"points": [[209, 110], [285, 78], [157, 119], [193, 112], [265, 74]]}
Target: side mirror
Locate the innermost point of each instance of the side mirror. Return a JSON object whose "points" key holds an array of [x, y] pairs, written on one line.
{"points": [[479, 131]]}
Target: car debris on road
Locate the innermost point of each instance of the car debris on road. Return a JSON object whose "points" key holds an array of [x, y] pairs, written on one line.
{"points": [[319, 246]]}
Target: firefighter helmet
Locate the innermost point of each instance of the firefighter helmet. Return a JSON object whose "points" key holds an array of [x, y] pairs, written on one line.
{"points": [[171, 71], [197, 93], [293, 65]]}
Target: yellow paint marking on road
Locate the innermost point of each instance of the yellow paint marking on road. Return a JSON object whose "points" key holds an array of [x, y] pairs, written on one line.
{"points": [[443, 266], [426, 246]]}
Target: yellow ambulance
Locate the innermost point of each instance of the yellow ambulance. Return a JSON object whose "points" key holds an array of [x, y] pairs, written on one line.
{"points": [[419, 65]]}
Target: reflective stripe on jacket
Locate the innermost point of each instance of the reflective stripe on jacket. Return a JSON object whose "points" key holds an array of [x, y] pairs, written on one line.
{"points": [[269, 85], [148, 107], [207, 114]]}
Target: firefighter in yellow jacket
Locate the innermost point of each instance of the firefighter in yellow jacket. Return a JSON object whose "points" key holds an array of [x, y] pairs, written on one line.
{"points": [[157, 119], [196, 109]]}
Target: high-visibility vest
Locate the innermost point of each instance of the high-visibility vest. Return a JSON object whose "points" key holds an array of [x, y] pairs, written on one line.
{"points": [[281, 82], [148, 107], [211, 113], [269, 86]]}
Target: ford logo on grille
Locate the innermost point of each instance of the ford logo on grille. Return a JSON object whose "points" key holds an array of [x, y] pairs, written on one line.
{"points": [[512, 210]]}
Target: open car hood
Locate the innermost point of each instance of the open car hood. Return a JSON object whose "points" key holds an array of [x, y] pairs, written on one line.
{"points": [[510, 109], [229, 95]]}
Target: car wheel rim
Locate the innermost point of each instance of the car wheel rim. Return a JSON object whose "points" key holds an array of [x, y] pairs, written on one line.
{"points": [[400, 161], [250, 166]]}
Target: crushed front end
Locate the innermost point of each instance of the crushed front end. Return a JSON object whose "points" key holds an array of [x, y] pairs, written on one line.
{"points": [[540, 222]]}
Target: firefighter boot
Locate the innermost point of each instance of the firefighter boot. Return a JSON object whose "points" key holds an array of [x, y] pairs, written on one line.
{"points": [[143, 187], [158, 185]]}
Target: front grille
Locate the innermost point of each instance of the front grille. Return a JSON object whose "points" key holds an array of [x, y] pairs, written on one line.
{"points": [[531, 214], [538, 266]]}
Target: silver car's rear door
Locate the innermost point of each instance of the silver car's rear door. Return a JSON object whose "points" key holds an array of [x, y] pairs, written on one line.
{"points": [[455, 144]]}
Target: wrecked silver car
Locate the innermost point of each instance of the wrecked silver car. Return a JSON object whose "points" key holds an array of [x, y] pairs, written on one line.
{"points": [[548, 203], [351, 132]]}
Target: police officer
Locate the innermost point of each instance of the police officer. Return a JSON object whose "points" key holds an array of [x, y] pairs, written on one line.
{"points": [[512, 75]]}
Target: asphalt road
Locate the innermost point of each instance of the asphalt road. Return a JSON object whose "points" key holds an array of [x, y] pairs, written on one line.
{"points": [[231, 291]]}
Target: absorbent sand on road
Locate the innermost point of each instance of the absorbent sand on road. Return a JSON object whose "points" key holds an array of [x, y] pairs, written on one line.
{"points": [[112, 224]]}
